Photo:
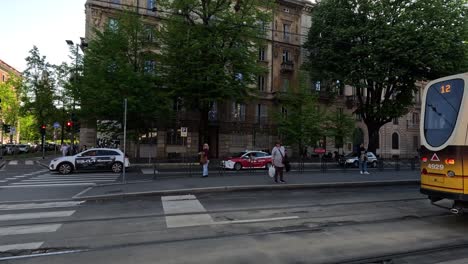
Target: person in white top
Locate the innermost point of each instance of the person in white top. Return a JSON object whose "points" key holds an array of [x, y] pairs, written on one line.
{"points": [[64, 149], [277, 156]]}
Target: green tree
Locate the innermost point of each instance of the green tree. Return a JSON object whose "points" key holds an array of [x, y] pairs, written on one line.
{"points": [[38, 89], [383, 47], [119, 63], [28, 128], [301, 121], [340, 127], [209, 51], [9, 107]]}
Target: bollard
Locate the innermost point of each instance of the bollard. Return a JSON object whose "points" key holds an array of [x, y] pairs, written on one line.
{"points": [[323, 165], [413, 164]]}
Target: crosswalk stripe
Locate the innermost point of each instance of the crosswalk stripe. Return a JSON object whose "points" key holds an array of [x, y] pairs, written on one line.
{"points": [[49, 185], [24, 216], [29, 229], [34, 245], [24, 206], [10, 178], [13, 162], [57, 182], [76, 178], [29, 162]]}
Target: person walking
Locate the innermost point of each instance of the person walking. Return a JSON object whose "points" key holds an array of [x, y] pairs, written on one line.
{"points": [[64, 150], [363, 159], [277, 155], [204, 159]]}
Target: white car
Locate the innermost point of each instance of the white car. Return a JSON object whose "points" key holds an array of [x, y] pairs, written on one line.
{"points": [[353, 160], [92, 159]]}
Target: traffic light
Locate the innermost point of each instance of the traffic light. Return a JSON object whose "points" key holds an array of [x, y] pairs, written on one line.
{"points": [[69, 125], [6, 128], [43, 129]]}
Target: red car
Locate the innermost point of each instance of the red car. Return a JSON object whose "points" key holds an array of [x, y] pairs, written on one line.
{"points": [[247, 160]]}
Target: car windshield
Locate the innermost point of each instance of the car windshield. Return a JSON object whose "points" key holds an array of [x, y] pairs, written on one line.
{"points": [[350, 155]]}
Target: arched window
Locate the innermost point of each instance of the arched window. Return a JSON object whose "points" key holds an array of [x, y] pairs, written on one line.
{"points": [[395, 141]]}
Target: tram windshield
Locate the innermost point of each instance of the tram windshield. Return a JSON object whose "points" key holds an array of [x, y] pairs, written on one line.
{"points": [[443, 102]]}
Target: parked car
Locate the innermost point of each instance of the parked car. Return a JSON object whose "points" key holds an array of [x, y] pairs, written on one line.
{"points": [[247, 160], [10, 149], [22, 148], [352, 159], [92, 159]]}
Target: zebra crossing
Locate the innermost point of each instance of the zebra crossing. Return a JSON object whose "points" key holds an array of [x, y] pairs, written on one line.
{"points": [[53, 179], [30, 235], [20, 162]]}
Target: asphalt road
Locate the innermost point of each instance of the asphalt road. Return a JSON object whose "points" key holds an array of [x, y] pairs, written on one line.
{"points": [[302, 226]]}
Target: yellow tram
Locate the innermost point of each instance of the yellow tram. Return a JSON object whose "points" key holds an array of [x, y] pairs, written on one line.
{"points": [[444, 141]]}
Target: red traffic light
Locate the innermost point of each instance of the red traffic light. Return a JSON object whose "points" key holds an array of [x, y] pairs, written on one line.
{"points": [[69, 123], [43, 126]]}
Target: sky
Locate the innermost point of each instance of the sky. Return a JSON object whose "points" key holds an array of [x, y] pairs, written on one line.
{"points": [[43, 23]]}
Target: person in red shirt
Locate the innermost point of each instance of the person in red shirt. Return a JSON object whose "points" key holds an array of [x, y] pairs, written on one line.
{"points": [[204, 159]]}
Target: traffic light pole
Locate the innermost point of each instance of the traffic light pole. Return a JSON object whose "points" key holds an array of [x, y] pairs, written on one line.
{"points": [[43, 146]]}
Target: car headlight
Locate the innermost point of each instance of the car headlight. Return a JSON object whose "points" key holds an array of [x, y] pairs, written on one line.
{"points": [[349, 161]]}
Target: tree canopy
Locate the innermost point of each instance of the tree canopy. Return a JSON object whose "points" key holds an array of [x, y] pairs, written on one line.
{"points": [[382, 48]]}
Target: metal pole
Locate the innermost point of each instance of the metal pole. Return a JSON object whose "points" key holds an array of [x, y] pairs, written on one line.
{"points": [[124, 138], [43, 146]]}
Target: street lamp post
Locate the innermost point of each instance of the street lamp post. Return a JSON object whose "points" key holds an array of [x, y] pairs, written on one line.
{"points": [[72, 132]]}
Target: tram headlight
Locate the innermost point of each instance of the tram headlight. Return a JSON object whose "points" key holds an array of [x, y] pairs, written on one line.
{"points": [[450, 173]]}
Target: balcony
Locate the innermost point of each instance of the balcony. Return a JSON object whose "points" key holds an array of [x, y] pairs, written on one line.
{"points": [[287, 66]]}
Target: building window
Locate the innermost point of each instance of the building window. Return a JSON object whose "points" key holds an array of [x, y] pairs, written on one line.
{"points": [[395, 121], [113, 24], [261, 54], [284, 112], [285, 86], [261, 114], [395, 141], [286, 56], [357, 117], [150, 4], [238, 112], [3, 78], [150, 66], [415, 118], [261, 83], [415, 143], [173, 137], [149, 33], [318, 86], [116, 2], [286, 31]]}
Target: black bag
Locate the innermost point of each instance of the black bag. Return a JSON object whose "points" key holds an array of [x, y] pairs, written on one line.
{"points": [[287, 165]]}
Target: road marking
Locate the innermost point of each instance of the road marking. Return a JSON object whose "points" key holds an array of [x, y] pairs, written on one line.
{"points": [[184, 204], [63, 180], [3, 181], [29, 229], [49, 185], [73, 178], [29, 162], [35, 245], [10, 178], [256, 220], [13, 162], [25, 206], [21, 176], [24, 216]]}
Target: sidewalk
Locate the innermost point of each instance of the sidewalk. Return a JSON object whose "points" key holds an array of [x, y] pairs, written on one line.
{"points": [[257, 181]]}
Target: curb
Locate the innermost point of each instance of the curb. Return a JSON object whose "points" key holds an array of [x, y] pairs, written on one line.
{"points": [[242, 188], [2, 163], [42, 164]]}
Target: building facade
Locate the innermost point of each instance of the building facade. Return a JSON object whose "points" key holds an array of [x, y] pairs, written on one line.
{"points": [[237, 126]]}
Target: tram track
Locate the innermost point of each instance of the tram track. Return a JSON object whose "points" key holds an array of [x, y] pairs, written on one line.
{"points": [[246, 209], [307, 226]]}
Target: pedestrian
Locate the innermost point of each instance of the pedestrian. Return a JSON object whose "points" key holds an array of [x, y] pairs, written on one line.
{"points": [[363, 159], [64, 150], [277, 155], [204, 159]]}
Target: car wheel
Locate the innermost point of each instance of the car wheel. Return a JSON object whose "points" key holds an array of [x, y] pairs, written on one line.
{"points": [[374, 164], [117, 167], [65, 168], [237, 166], [356, 164], [268, 165]]}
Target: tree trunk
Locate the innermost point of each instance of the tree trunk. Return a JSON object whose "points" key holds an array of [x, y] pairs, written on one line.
{"points": [[373, 132], [203, 128]]}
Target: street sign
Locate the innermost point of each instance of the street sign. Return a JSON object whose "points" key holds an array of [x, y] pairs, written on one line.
{"points": [[12, 130], [183, 132], [56, 125]]}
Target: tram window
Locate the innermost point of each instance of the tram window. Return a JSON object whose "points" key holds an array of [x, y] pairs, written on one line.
{"points": [[443, 102]]}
